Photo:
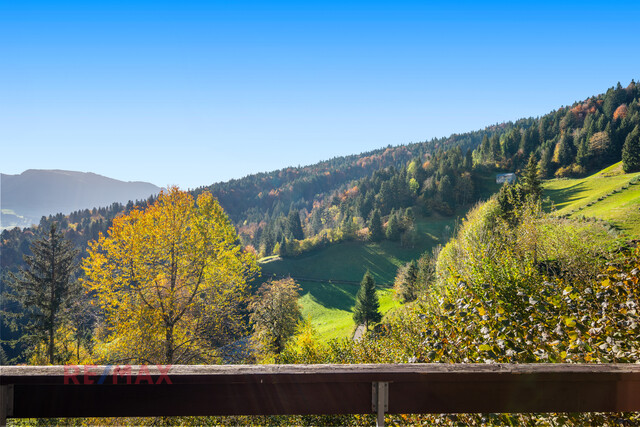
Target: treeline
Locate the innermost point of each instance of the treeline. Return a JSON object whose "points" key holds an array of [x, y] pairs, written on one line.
{"points": [[572, 141], [381, 206]]}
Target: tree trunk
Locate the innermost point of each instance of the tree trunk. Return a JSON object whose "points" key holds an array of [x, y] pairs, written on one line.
{"points": [[53, 296], [169, 345]]}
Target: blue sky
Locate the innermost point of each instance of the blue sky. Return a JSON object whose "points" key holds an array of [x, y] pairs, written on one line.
{"points": [[191, 93]]}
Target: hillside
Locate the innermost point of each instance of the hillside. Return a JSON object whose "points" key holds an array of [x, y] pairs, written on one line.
{"points": [[335, 272], [26, 197], [610, 195], [328, 299]]}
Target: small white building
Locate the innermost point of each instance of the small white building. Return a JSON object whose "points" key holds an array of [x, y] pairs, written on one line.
{"points": [[505, 177]]}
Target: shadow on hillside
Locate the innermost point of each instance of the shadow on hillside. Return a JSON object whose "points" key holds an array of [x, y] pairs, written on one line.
{"points": [[563, 197], [330, 295]]}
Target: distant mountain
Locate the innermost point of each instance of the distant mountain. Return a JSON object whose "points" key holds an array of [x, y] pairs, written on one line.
{"points": [[25, 198]]}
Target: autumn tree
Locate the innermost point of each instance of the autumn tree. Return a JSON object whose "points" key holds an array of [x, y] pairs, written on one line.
{"points": [[170, 280], [367, 308], [44, 291], [631, 151], [275, 314]]}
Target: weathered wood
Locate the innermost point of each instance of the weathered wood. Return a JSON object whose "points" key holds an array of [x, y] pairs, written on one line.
{"points": [[44, 391]]}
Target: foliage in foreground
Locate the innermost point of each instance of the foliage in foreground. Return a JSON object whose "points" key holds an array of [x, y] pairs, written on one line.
{"points": [[275, 314], [170, 282], [494, 312]]}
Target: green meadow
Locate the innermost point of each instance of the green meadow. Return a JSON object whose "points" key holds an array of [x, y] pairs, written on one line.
{"points": [[610, 195], [327, 301]]}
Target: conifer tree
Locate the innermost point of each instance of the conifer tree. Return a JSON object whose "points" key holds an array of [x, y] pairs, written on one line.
{"points": [[375, 227], [631, 151], [44, 290], [367, 308], [406, 283], [393, 228], [294, 225], [530, 179]]}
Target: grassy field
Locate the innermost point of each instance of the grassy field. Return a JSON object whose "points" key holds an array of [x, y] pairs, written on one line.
{"points": [[610, 195], [328, 304]]}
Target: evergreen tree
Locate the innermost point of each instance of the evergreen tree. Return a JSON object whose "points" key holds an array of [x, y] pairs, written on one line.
{"points": [[545, 163], [631, 151], [468, 160], [375, 227], [584, 154], [294, 225], [348, 227], [565, 150], [393, 228], [530, 179], [406, 283], [44, 290], [367, 308]]}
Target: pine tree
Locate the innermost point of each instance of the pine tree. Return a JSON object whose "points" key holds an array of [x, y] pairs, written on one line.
{"points": [[294, 225], [530, 179], [367, 308], [45, 289], [406, 283], [393, 228], [375, 227], [631, 151], [545, 163]]}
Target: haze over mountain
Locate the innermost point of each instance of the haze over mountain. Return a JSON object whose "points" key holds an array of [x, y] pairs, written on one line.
{"points": [[26, 197]]}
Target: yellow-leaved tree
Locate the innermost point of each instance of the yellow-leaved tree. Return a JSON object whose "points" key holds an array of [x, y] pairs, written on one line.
{"points": [[171, 281]]}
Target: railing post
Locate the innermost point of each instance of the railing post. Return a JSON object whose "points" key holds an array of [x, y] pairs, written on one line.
{"points": [[6, 403], [380, 400]]}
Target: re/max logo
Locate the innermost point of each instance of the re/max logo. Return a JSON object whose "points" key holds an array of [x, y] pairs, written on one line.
{"points": [[118, 374]]}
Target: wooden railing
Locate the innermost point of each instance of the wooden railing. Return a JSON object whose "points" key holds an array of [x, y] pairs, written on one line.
{"points": [[110, 391]]}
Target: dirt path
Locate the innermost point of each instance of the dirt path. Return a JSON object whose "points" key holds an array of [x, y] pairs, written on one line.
{"points": [[359, 333]]}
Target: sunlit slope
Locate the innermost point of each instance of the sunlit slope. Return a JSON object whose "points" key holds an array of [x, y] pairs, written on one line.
{"points": [[337, 270], [610, 195]]}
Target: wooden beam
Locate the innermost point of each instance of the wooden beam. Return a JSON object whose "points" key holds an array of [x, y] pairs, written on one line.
{"points": [[109, 391]]}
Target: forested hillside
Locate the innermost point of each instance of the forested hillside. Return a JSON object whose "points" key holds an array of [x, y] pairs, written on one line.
{"points": [[367, 196]]}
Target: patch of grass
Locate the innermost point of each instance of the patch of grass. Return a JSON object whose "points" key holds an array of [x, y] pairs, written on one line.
{"points": [[336, 321], [609, 195], [348, 261], [327, 301]]}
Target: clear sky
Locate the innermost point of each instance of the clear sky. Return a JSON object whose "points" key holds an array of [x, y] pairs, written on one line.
{"points": [[191, 93]]}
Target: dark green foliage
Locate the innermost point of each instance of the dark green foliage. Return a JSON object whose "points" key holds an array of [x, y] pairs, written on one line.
{"points": [[294, 225], [392, 231], [545, 166], [530, 179], [44, 289], [631, 151], [375, 227], [367, 308], [565, 150]]}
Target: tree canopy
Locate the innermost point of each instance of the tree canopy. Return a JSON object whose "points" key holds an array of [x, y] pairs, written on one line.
{"points": [[275, 313], [170, 281]]}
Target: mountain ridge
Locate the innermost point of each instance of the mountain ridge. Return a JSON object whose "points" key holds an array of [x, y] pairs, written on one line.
{"points": [[40, 192]]}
